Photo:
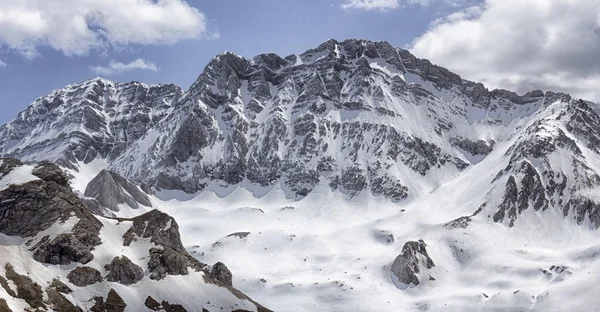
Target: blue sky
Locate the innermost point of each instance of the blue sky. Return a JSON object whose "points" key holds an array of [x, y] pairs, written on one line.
{"points": [[463, 35]]}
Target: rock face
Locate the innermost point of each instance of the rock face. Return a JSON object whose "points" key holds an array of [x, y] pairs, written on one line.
{"points": [[123, 271], [355, 115], [95, 118], [110, 190], [35, 206], [341, 101], [84, 276], [548, 168], [221, 273], [407, 266]]}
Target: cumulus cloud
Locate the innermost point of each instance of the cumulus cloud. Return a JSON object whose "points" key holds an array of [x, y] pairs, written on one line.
{"points": [[119, 67], [371, 4], [77, 26], [521, 45], [385, 5]]}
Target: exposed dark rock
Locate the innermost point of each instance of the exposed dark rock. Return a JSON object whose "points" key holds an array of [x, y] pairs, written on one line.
{"points": [[161, 228], [110, 190], [48, 171], [7, 165], [32, 207], [479, 147], [59, 303], [168, 307], [152, 304], [123, 271], [113, 303], [4, 284], [59, 286], [98, 305], [221, 273], [516, 201], [63, 249], [239, 234], [408, 264], [167, 261], [84, 276], [4, 306], [353, 179], [26, 289], [459, 223], [584, 208]]}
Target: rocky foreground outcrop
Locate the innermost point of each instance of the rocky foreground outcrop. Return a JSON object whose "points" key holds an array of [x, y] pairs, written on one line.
{"points": [[47, 229], [411, 265]]}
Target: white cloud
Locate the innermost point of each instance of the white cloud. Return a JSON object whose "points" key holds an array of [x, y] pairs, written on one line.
{"points": [[2, 64], [521, 45], [77, 26], [385, 5], [119, 67], [371, 4]]}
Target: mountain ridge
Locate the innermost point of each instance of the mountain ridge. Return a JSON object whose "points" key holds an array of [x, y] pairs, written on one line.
{"points": [[347, 176], [345, 77]]}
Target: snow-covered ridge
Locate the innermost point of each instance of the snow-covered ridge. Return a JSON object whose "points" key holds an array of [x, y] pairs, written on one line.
{"points": [[357, 115]]}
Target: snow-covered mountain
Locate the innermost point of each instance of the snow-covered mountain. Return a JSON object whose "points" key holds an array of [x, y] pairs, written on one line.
{"points": [[336, 176], [57, 256]]}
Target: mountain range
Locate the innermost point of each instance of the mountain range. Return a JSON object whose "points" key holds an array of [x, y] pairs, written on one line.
{"points": [[351, 177]]}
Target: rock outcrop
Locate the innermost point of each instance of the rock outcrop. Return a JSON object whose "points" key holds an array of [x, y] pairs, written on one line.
{"points": [[84, 276], [409, 265], [123, 271], [113, 303], [63, 249], [58, 230], [221, 273], [30, 208]]}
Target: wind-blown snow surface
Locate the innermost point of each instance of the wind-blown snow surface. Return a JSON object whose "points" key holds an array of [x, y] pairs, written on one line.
{"points": [[329, 253]]}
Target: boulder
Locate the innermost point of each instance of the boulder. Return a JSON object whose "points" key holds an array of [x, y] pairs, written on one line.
{"points": [[63, 249], [113, 303], [167, 261], [221, 273], [407, 266], [84, 276], [123, 271]]}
